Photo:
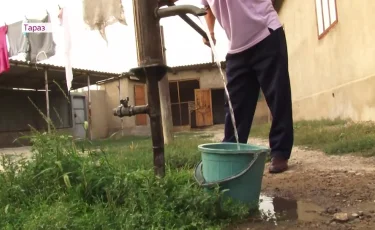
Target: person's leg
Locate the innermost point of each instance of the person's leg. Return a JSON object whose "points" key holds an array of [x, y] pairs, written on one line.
{"points": [[243, 88], [271, 67]]}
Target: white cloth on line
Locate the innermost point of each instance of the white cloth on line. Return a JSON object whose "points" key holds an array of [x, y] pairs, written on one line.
{"points": [[64, 18]]}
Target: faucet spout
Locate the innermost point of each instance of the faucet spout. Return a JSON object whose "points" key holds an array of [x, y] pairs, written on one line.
{"points": [[129, 111], [179, 10]]}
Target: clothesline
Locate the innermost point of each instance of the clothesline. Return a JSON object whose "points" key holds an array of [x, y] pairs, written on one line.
{"points": [[35, 47]]}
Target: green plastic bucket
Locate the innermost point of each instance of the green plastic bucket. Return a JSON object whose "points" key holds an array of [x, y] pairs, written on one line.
{"points": [[236, 169]]}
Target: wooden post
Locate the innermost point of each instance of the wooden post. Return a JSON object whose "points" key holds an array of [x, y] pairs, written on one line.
{"points": [[47, 100], [165, 100], [150, 52], [89, 106]]}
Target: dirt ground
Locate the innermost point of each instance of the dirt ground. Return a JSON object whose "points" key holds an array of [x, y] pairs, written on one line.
{"points": [[318, 192]]}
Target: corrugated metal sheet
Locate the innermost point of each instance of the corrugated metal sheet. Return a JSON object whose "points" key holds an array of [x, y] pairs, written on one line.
{"points": [[17, 61], [199, 66]]}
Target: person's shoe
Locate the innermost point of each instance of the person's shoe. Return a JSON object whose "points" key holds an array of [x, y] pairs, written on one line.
{"points": [[278, 165]]}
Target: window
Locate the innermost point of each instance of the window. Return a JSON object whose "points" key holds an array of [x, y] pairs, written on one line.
{"points": [[326, 13]]}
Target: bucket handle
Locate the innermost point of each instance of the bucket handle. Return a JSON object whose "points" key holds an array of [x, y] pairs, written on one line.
{"points": [[198, 174]]}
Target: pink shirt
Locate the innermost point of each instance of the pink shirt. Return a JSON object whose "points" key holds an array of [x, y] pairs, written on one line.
{"points": [[245, 22], [4, 59]]}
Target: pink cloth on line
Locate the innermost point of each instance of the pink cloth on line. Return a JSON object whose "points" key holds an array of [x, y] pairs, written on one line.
{"points": [[4, 58]]}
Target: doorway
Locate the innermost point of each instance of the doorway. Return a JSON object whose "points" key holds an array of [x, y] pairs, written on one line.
{"points": [[79, 116], [218, 101], [182, 95]]}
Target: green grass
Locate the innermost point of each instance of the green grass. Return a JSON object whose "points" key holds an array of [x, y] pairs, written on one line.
{"points": [[330, 136], [108, 184]]}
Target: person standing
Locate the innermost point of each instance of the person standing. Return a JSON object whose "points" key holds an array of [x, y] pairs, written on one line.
{"points": [[257, 59]]}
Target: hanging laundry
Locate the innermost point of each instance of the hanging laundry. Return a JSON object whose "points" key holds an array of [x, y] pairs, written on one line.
{"points": [[42, 45], [98, 14], [18, 43], [64, 21], [4, 59]]}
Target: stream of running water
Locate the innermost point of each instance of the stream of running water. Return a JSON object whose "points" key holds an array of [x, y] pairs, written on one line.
{"points": [[218, 63]]}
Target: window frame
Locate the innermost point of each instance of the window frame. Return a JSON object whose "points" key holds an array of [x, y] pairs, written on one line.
{"points": [[333, 24]]}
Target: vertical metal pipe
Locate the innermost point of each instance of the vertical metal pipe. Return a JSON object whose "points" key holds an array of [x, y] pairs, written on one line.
{"points": [[149, 51], [47, 100], [165, 99], [119, 98], [156, 126], [179, 101], [89, 105], [163, 45]]}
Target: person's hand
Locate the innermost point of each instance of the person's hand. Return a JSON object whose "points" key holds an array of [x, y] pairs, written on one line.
{"points": [[166, 2], [207, 43]]}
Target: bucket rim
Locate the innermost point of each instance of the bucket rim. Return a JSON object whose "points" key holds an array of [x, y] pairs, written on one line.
{"points": [[255, 148]]}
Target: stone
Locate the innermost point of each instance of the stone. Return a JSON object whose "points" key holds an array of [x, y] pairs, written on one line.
{"points": [[360, 213], [341, 217], [355, 215]]}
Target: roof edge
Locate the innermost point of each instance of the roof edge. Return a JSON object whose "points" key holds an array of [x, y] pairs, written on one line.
{"points": [[45, 65]]}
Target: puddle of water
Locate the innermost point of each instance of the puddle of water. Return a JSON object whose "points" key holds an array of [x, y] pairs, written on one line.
{"points": [[275, 209]]}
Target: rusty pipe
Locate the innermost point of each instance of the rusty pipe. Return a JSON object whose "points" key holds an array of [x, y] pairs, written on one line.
{"points": [[179, 10], [129, 111], [194, 25], [160, 13]]}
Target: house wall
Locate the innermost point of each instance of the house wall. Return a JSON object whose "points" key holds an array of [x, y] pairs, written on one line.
{"points": [[211, 79], [127, 124], [105, 124], [99, 121], [332, 77]]}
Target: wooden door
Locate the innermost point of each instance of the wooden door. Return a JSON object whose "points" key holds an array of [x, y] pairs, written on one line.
{"points": [[140, 99], [203, 107]]}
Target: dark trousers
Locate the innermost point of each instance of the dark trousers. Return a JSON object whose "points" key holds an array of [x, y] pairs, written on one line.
{"points": [[263, 66]]}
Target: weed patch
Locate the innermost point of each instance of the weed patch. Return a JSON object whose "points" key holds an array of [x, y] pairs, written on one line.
{"points": [[330, 136], [108, 185]]}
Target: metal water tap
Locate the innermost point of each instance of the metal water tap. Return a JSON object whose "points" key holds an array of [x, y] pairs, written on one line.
{"points": [[124, 109]]}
